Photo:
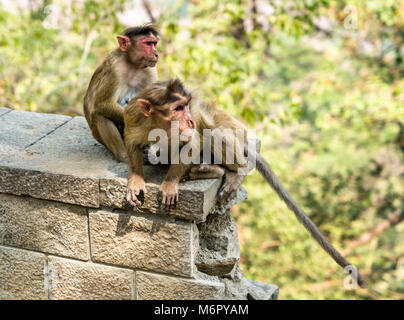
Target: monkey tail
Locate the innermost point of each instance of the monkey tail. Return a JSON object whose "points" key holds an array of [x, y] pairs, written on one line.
{"points": [[266, 172]]}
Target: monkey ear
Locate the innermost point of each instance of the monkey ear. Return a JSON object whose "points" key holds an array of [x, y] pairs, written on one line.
{"points": [[145, 107], [124, 42]]}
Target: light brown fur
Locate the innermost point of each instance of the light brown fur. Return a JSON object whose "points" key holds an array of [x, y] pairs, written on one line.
{"points": [[119, 76]]}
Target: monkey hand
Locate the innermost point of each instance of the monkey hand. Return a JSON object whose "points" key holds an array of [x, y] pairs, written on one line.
{"points": [[169, 190], [231, 183], [134, 192]]}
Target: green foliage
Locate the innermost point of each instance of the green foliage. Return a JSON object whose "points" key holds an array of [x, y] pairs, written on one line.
{"points": [[329, 113]]}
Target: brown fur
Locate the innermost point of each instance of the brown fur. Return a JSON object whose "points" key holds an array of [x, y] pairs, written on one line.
{"points": [[113, 80], [137, 127]]}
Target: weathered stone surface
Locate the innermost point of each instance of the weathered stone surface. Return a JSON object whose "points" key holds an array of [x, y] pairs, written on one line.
{"points": [[262, 291], [142, 242], [21, 274], [71, 150], [196, 198], [35, 163], [19, 129], [251, 290], [69, 279], [219, 249], [43, 185], [44, 226], [160, 287], [3, 111]]}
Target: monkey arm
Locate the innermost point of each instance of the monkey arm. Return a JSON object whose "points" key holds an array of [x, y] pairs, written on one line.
{"points": [[136, 183], [111, 110], [105, 99], [169, 187]]}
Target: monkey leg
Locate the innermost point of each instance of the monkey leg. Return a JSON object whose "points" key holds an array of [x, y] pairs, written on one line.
{"points": [[110, 137], [206, 171], [231, 152]]}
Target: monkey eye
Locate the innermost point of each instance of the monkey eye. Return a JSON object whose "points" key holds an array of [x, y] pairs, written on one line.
{"points": [[179, 108]]}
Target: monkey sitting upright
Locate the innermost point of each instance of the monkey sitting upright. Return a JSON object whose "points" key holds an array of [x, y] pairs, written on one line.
{"points": [[124, 73], [167, 106]]}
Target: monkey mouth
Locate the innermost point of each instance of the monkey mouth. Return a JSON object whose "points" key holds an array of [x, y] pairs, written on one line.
{"points": [[152, 62]]}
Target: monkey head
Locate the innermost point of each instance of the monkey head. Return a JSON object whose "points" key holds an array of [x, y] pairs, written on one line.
{"points": [[168, 105], [140, 45]]}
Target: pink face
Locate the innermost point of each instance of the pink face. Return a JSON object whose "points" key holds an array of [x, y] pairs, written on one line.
{"points": [[150, 48], [181, 112], [141, 50], [178, 111]]}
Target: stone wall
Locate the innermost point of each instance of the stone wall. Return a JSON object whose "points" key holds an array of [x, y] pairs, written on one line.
{"points": [[67, 232]]}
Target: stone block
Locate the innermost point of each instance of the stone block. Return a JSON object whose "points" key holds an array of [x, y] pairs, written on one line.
{"points": [[49, 186], [44, 226], [69, 279], [161, 287], [37, 164], [141, 241], [219, 249], [245, 289], [21, 275]]}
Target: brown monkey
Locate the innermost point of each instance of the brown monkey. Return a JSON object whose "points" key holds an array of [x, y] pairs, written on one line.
{"points": [[125, 71], [157, 106]]}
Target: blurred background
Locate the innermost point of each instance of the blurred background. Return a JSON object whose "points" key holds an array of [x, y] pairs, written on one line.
{"points": [[321, 82]]}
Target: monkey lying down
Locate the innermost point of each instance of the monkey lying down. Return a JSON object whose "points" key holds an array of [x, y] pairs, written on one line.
{"points": [[166, 109]]}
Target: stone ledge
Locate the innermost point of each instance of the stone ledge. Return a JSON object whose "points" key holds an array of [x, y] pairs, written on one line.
{"points": [[49, 186], [55, 157], [20, 129], [195, 200]]}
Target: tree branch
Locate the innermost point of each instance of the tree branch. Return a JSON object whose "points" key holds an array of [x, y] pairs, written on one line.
{"points": [[391, 221], [147, 6]]}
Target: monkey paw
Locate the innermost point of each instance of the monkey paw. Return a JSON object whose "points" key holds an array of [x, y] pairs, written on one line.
{"points": [[135, 193], [232, 182], [227, 192], [169, 191]]}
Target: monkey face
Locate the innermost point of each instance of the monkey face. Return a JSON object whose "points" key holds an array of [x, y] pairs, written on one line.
{"points": [[167, 105], [186, 124], [174, 118], [143, 52], [151, 55]]}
